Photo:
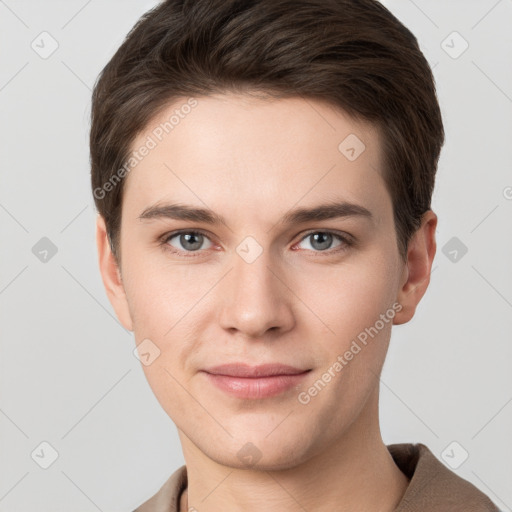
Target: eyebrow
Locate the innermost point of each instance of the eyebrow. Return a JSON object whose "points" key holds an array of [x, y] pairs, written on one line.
{"points": [[297, 216]]}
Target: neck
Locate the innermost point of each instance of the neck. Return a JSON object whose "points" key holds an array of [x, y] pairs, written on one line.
{"points": [[356, 472]]}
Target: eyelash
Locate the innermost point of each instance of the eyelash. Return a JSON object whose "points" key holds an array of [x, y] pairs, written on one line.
{"points": [[347, 242]]}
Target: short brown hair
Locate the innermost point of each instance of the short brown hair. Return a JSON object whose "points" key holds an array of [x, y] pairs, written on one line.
{"points": [[354, 54]]}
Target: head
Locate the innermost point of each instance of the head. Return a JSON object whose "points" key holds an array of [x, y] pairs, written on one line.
{"points": [[233, 122]]}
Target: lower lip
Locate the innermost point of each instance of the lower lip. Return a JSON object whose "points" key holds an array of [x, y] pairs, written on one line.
{"points": [[255, 387]]}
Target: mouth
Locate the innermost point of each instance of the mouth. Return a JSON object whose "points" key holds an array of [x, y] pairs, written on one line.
{"points": [[256, 382], [248, 371]]}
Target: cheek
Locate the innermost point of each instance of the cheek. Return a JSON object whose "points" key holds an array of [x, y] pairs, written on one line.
{"points": [[166, 308], [160, 295], [356, 303], [350, 297], [162, 306]]}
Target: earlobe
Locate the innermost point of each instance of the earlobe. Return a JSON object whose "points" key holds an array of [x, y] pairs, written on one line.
{"points": [[111, 276], [416, 274]]}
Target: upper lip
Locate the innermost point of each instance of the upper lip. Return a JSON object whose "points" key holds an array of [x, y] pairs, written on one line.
{"points": [[245, 370]]}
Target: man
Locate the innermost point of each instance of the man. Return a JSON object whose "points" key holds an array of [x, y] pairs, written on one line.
{"points": [[263, 172]]}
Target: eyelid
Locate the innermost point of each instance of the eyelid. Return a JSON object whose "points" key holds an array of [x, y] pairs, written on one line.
{"points": [[341, 234], [172, 234]]}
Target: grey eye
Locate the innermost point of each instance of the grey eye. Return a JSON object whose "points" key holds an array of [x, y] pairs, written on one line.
{"points": [[320, 240], [189, 241]]}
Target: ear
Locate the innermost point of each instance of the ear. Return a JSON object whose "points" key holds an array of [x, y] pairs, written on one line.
{"points": [[111, 276], [416, 274]]}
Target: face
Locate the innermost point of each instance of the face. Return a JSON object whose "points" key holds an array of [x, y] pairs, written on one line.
{"points": [[255, 278]]}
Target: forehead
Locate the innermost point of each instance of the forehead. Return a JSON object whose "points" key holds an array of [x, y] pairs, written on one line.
{"points": [[231, 150]]}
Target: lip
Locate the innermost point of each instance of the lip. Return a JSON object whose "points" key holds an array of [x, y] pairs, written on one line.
{"points": [[262, 370], [255, 382]]}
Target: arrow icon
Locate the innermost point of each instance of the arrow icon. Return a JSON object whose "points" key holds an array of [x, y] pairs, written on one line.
{"points": [[44, 455], [454, 45], [249, 249], [44, 250], [146, 352], [351, 147], [454, 249]]}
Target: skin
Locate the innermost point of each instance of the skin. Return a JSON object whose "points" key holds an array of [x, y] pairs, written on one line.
{"points": [[252, 160]]}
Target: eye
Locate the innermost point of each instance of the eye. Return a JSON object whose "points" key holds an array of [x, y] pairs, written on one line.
{"points": [[321, 241], [189, 242], [185, 241]]}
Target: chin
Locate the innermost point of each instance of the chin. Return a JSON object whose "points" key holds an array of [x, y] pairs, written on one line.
{"points": [[272, 463], [266, 451]]}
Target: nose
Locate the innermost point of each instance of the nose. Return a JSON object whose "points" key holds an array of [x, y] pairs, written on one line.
{"points": [[256, 298]]}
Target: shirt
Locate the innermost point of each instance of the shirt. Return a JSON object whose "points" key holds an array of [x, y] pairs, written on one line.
{"points": [[432, 486]]}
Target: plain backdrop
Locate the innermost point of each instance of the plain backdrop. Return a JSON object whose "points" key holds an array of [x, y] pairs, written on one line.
{"points": [[68, 376]]}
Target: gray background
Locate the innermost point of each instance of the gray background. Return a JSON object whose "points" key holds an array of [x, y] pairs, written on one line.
{"points": [[68, 376]]}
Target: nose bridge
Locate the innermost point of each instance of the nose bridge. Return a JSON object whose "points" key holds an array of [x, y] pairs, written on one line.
{"points": [[255, 298]]}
